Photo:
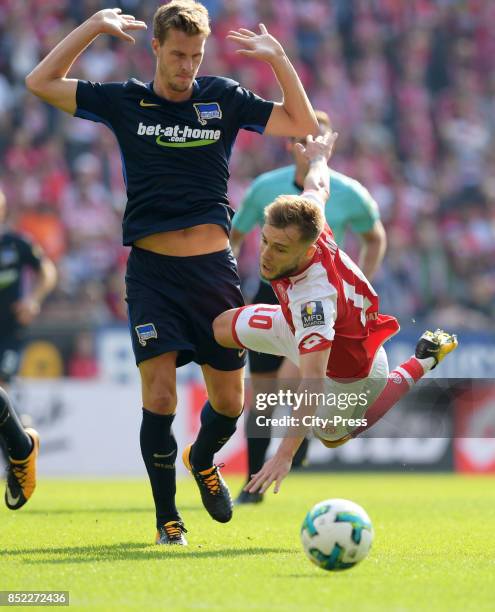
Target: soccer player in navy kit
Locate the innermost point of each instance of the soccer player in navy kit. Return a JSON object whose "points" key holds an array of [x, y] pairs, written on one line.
{"points": [[17, 309], [176, 135]]}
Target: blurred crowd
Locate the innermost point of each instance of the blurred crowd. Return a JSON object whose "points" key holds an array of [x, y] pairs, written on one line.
{"points": [[408, 84]]}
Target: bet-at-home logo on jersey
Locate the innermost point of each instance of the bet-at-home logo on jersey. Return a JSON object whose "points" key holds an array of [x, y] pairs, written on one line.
{"points": [[180, 136]]}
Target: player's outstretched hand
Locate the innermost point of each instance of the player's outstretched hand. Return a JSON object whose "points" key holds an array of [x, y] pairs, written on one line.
{"points": [[261, 46], [320, 147], [113, 22], [274, 470]]}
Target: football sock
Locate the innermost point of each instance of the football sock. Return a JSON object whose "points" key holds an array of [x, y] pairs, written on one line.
{"points": [[399, 382], [256, 447], [17, 442], [216, 429], [159, 451]]}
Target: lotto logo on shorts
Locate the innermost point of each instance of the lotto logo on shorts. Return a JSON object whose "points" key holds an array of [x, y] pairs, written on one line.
{"points": [[145, 332], [312, 314]]}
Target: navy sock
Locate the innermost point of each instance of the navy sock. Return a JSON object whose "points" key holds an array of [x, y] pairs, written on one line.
{"points": [[300, 456], [159, 451], [256, 446], [16, 441], [216, 429]]}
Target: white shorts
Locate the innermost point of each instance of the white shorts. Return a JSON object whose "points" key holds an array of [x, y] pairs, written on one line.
{"points": [[263, 328]]}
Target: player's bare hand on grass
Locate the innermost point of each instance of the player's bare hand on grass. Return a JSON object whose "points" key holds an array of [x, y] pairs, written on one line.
{"points": [[113, 22], [261, 46], [319, 147], [274, 470]]}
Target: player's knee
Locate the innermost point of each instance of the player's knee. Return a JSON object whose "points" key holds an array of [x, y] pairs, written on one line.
{"points": [[161, 403], [229, 408], [222, 329], [229, 401], [160, 398]]}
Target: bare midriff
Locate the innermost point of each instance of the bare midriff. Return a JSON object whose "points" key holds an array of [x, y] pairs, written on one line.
{"points": [[196, 240]]}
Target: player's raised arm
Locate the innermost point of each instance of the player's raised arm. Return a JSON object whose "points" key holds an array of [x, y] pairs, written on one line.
{"points": [[49, 79], [294, 116], [318, 152]]}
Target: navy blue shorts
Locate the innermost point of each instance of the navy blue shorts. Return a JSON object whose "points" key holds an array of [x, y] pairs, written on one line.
{"points": [[172, 302], [10, 356]]}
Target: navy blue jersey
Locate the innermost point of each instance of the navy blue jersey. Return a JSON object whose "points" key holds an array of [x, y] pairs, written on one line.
{"points": [[15, 254], [175, 154]]}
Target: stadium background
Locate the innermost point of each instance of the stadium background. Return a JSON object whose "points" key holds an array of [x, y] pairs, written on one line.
{"points": [[410, 88]]}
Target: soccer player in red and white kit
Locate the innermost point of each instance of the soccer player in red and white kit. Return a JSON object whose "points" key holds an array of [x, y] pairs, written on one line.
{"points": [[328, 322]]}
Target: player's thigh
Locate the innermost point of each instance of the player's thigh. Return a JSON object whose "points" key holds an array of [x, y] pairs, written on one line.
{"points": [[213, 288], [158, 383], [351, 400], [224, 326], [354, 398], [262, 363], [225, 389], [374, 384], [338, 404], [155, 295], [263, 328], [288, 370]]}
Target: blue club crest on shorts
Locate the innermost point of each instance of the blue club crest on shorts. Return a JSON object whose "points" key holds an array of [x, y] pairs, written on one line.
{"points": [[207, 110], [145, 332]]}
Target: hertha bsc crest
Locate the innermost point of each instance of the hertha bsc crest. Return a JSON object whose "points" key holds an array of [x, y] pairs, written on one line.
{"points": [[145, 332]]}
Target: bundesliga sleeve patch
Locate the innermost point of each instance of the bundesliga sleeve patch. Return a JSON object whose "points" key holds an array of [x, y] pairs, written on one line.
{"points": [[312, 314]]}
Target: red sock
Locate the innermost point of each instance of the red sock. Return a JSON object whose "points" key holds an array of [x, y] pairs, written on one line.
{"points": [[398, 384]]}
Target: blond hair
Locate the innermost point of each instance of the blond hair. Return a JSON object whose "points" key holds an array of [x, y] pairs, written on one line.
{"points": [[184, 15], [299, 212]]}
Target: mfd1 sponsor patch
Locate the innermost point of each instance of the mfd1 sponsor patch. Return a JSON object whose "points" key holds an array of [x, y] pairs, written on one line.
{"points": [[312, 314]]}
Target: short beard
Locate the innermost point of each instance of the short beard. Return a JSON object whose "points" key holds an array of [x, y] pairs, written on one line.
{"points": [[284, 274], [178, 88]]}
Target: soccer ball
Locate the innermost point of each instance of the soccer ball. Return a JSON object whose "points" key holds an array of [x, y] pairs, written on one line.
{"points": [[336, 534]]}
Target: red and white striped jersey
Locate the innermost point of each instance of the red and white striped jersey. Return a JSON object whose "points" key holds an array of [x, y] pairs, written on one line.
{"points": [[331, 303]]}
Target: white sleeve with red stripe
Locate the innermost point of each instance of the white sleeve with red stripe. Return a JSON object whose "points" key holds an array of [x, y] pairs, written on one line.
{"points": [[313, 306]]}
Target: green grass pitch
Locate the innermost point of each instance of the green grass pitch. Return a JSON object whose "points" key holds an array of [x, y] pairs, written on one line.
{"points": [[434, 547]]}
